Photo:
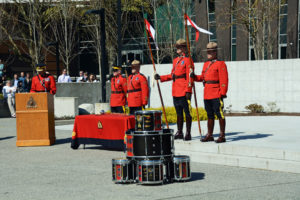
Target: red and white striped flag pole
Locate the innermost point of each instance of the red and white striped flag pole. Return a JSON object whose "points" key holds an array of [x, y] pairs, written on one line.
{"points": [[150, 31]]}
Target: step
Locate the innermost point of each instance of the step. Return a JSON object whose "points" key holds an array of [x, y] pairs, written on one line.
{"points": [[240, 155]]}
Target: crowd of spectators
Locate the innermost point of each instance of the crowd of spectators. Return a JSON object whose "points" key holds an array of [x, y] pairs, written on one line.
{"points": [[21, 83], [18, 84], [83, 77]]}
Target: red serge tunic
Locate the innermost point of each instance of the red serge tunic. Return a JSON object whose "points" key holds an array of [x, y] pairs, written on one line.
{"points": [[180, 75], [48, 81], [215, 74], [118, 91], [137, 89]]}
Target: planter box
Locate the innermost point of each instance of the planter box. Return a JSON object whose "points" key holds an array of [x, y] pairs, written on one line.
{"points": [[4, 111]]}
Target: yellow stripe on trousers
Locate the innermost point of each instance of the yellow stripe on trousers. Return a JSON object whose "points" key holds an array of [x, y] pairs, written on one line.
{"points": [[221, 110]]}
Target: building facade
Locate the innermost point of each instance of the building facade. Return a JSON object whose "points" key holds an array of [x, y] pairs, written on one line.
{"points": [[236, 43]]}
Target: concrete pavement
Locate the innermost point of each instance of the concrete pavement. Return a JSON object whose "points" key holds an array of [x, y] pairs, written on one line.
{"points": [[58, 172], [260, 142]]}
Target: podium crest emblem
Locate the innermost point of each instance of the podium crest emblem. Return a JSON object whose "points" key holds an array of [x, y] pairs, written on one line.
{"points": [[31, 103], [99, 125]]}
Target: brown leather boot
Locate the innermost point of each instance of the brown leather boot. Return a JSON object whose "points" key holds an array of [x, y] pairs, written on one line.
{"points": [[188, 124], [210, 128], [221, 138], [179, 134]]}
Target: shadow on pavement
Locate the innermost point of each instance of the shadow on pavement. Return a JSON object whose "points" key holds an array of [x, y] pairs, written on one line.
{"points": [[62, 141], [248, 137], [7, 138], [100, 147], [195, 176], [236, 136]]}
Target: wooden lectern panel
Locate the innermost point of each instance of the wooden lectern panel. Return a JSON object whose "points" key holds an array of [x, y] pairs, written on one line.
{"points": [[35, 119]]}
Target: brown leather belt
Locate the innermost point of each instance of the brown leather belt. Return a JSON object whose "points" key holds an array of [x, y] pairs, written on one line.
{"points": [[211, 82], [117, 92], [174, 77], [41, 91], [135, 90], [180, 76]]}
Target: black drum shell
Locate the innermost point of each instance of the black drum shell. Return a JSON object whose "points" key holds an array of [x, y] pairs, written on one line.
{"points": [[150, 145], [182, 168], [150, 171], [123, 171]]}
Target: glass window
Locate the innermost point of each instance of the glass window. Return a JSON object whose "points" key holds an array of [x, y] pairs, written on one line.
{"points": [[283, 52], [252, 54], [283, 24], [233, 52], [282, 29], [211, 6], [283, 39], [212, 20]]}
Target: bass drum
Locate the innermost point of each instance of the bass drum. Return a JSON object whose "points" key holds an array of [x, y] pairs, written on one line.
{"points": [[150, 145], [148, 120]]}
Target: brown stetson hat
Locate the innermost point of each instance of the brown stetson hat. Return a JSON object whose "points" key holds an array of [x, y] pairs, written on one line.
{"points": [[211, 46], [180, 43], [136, 63]]}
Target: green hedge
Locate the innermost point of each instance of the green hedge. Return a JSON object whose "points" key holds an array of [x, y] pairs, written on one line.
{"points": [[172, 117]]}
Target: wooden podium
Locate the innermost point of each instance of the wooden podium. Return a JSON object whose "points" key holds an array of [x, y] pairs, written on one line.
{"points": [[35, 119]]}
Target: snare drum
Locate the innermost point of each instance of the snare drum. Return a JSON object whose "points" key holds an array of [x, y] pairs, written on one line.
{"points": [[149, 145], [150, 171], [182, 170], [148, 120], [123, 171]]}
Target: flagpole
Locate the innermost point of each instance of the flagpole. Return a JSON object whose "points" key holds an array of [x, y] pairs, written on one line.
{"points": [[159, 91], [194, 87]]}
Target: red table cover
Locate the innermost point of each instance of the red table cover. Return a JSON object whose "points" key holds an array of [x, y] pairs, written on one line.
{"points": [[105, 129]]}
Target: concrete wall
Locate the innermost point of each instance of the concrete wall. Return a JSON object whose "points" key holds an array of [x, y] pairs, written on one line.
{"points": [[86, 92], [249, 82], [65, 107]]}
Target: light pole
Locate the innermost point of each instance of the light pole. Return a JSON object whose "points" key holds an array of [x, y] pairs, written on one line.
{"points": [[104, 62]]}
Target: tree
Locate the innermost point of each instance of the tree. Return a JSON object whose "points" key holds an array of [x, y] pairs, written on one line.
{"points": [[63, 21], [131, 10], [169, 24], [258, 18], [29, 36]]}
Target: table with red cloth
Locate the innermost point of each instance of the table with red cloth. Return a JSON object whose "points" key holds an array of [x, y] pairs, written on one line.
{"points": [[107, 130]]}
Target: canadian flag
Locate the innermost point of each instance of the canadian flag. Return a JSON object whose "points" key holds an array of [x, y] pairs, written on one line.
{"points": [[198, 29], [151, 31]]}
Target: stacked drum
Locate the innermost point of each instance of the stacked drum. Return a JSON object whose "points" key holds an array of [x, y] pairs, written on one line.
{"points": [[150, 154]]}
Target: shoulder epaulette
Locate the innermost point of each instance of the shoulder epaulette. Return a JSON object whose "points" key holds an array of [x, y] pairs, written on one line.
{"points": [[143, 75]]}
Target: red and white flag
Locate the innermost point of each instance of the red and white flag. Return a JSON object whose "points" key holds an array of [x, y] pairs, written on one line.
{"points": [[151, 31], [198, 29]]}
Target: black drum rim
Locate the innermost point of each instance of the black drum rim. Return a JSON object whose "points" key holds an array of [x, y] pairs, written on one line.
{"points": [[147, 112]]}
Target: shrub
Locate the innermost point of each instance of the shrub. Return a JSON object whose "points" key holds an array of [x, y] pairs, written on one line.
{"points": [[172, 117], [272, 107], [255, 108], [1, 96]]}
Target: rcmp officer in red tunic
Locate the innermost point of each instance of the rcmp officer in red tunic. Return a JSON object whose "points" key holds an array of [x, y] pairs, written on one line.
{"points": [[181, 88], [43, 82], [137, 88], [215, 79], [118, 91]]}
